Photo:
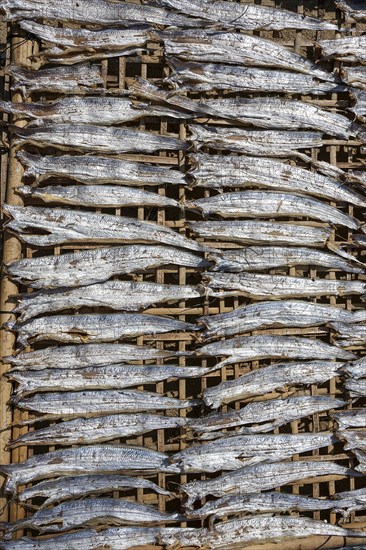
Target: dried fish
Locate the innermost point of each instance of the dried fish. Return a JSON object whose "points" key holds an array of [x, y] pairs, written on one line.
{"points": [[262, 232], [351, 48], [98, 170], [349, 334], [286, 313], [99, 378], [79, 79], [355, 76], [278, 376], [116, 295], [98, 402], [351, 418], [198, 77], [351, 500], [359, 107], [85, 355], [94, 327], [260, 477], [361, 457], [97, 12], [66, 488], [265, 204], [258, 258], [256, 382], [262, 416], [260, 286], [85, 137], [97, 430], [98, 265], [267, 143], [356, 387], [352, 8], [65, 225], [91, 459], [216, 172], [356, 369], [354, 439], [237, 49], [93, 512], [248, 17]]}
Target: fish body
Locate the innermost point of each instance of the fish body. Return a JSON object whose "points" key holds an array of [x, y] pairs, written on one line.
{"points": [[349, 334], [355, 9], [97, 430], [350, 48], [359, 106], [351, 418], [94, 328], [216, 172], [67, 488], [65, 225], [77, 80], [262, 143], [98, 402], [356, 388], [82, 460], [266, 204], [98, 265], [276, 376], [260, 286], [115, 294], [89, 138], [262, 232], [356, 369], [355, 76], [354, 439], [259, 258], [286, 313], [232, 453], [99, 378], [351, 500], [92, 170]]}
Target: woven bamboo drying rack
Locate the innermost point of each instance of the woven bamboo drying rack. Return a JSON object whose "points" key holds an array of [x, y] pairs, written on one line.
{"points": [[344, 154]]}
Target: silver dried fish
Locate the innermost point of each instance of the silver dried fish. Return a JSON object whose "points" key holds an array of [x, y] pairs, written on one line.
{"points": [[232, 453], [351, 500], [94, 328], [90, 459], [110, 140], [356, 387], [361, 457], [98, 170], [260, 286], [98, 402], [97, 430], [349, 334], [351, 48], [98, 265], [66, 488], [356, 369], [216, 172], [259, 258], [65, 225], [262, 232], [286, 313], [351, 418], [116, 295], [79, 79], [354, 439], [359, 106], [352, 8], [355, 76]]}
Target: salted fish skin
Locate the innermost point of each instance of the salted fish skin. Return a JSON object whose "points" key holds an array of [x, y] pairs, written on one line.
{"points": [[264, 204], [93, 512], [70, 404], [351, 418], [350, 48], [81, 110], [261, 315], [264, 415], [97, 430], [116, 295], [92, 12], [99, 378], [232, 453], [267, 143], [245, 171], [352, 8], [248, 17], [260, 286], [84, 355], [356, 369], [92, 170], [79, 79], [94, 328], [85, 460], [262, 232], [65, 225], [259, 258], [355, 76], [260, 477], [89, 138], [197, 77], [65, 488], [237, 49]]}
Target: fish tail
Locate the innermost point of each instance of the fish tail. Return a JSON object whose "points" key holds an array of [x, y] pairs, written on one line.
{"points": [[5, 107]]}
